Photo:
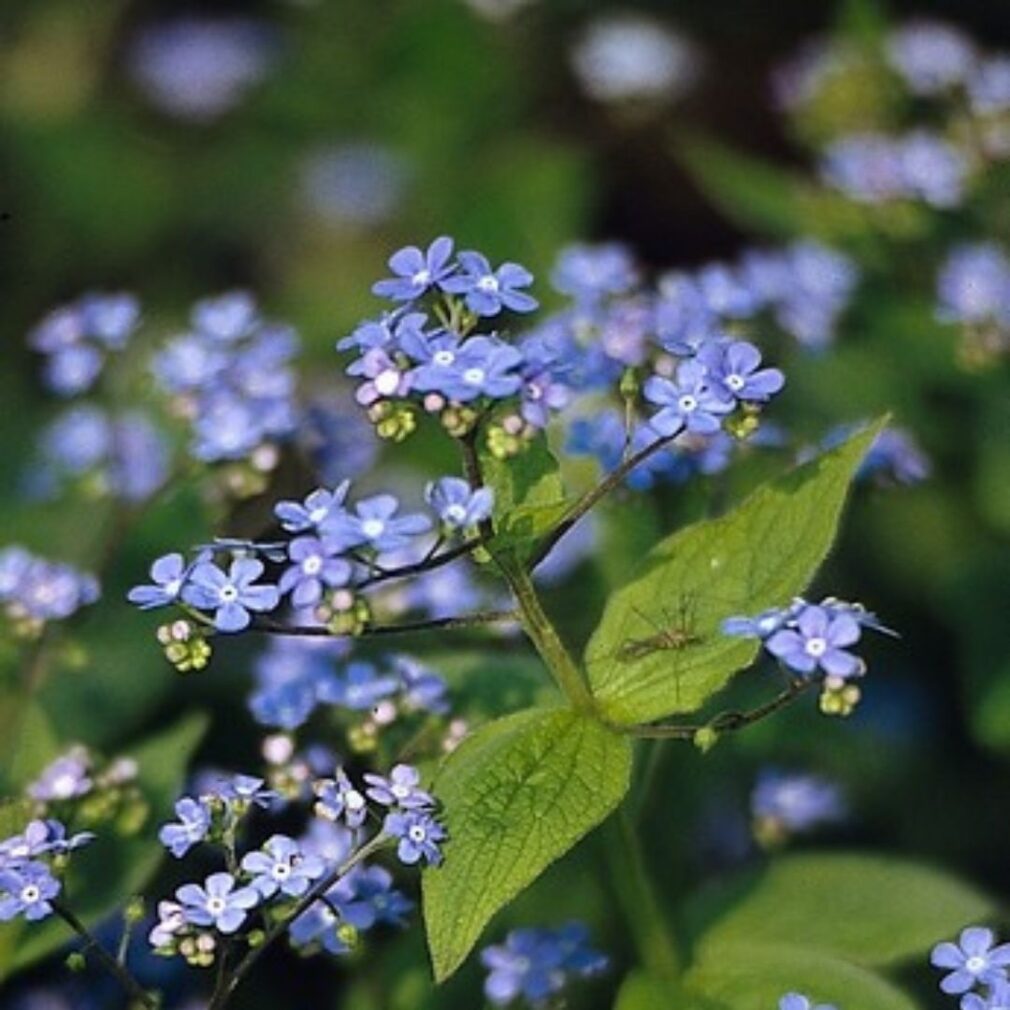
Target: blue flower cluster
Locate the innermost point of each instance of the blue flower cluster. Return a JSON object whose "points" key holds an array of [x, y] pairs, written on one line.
{"points": [[874, 168], [77, 338], [28, 885], [294, 676], [790, 803], [444, 364], [230, 377], [973, 286], [977, 969], [535, 965], [281, 877], [331, 554], [894, 458], [123, 456], [814, 639], [34, 590]]}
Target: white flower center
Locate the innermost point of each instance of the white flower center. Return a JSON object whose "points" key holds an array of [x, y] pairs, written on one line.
{"points": [[63, 786], [975, 964], [443, 357], [455, 513], [282, 871], [317, 515], [21, 851], [373, 528], [216, 905], [474, 376], [312, 564], [30, 894], [172, 587], [354, 800], [533, 391], [816, 647], [735, 382], [387, 382], [488, 284], [687, 403], [416, 833], [400, 791], [421, 278], [229, 594]]}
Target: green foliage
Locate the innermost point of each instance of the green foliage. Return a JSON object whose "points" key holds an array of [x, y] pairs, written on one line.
{"points": [[643, 991], [29, 742], [759, 555], [113, 868], [517, 795], [529, 496], [755, 975], [882, 910]]}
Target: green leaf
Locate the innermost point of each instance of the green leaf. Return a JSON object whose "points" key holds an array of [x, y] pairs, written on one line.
{"points": [[113, 868], [759, 555], [750, 191], [517, 794], [527, 523], [755, 976], [882, 910], [28, 742], [642, 991]]}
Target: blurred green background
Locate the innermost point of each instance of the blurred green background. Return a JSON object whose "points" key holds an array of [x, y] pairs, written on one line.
{"points": [[368, 125]]}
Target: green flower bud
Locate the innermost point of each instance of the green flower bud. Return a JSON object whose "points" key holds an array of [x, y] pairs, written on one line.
{"points": [[76, 962]]}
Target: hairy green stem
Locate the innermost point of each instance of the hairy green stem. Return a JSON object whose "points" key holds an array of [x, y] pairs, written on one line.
{"points": [[636, 896], [478, 619], [136, 992], [724, 722]]}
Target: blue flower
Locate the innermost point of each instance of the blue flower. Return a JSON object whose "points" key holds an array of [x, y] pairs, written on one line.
{"points": [[796, 1001], [456, 504], [282, 866], [765, 624], [217, 903], [483, 366], [227, 318], [535, 964], [690, 403], [374, 524], [419, 836], [168, 575], [488, 291], [318, 924], [359, 687], [733, 370], [192, 827], [27, 889], [314, 570], [423, 689], [416, 271], [38, 838], [971, 961], [401, 789], [791, 802], [231, 596], [244, 791], [366, 897], [589, 273], [974, 285], [338, 799], [932, 57], [997, 998], [65, 778], [320, 506], [818, 641]]}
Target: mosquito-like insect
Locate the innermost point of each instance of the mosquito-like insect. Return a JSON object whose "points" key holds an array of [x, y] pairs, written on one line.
{"points": [[673, 636]]}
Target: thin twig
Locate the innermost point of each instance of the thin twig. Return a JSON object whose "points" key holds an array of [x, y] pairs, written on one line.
{"points": [[91, 945], [589, 500], [725, 722], [244, 966], [270, 627], [424, 565]]}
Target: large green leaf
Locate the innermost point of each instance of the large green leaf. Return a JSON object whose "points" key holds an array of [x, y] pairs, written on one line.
{"points": [[517, 795], [113, 868], [759, 555], [871, 910], [755, 976], [642, 991]]}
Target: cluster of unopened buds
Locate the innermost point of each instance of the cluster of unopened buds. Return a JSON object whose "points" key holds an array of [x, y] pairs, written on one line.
{"points": [[813, 640]]}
